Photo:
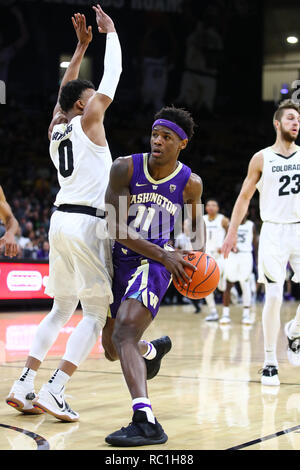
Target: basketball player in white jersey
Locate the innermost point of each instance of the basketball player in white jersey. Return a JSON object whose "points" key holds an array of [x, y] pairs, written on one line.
{"points": [[275, 172], [80, 255], [238, 268], [216, 228], [8, 240]]}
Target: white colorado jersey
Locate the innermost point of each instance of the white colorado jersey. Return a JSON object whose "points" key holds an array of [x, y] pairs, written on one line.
{"points": [[245, 237], [279, 188], [215, 233], [83, 167]]}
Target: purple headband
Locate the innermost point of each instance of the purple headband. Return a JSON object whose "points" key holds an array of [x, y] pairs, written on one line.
{"points": [[171, 125]]}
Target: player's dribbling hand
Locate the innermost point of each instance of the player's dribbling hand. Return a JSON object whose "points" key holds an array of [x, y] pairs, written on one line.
{"points": [[229, 244], [11, 247], [84, 34], [175, 264], [104, 22]]}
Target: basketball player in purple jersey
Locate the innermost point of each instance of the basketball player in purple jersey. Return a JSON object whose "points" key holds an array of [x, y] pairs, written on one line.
{"points": [[155, 187]]}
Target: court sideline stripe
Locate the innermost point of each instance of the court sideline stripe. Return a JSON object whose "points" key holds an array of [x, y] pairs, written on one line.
{"points": [[266, 438], [41, 442], [211, 379]]}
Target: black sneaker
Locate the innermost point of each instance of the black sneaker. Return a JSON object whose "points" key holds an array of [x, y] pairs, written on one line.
{"points": [[138, 433], [162, 346]]}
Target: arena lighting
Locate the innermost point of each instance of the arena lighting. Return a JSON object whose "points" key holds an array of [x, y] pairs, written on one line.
{"points": [[292, 39], [284, 89], [64, 65]]}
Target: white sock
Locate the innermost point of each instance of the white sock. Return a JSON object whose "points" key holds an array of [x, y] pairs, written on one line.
{"points": [[246, 292], [226, 311], [270, 359], [246, 312], [210, 300], [58, 380], [151, 351], [28, 376], [144, 404]]}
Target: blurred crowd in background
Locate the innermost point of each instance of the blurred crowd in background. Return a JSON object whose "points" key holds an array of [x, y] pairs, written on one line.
{"points": [[201, 67], [192, 68], [30, 182]]}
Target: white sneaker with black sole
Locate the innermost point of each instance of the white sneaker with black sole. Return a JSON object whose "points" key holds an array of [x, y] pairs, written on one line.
{"points": [[20, 398], [293, 352], [269, 376], [54, 404]]}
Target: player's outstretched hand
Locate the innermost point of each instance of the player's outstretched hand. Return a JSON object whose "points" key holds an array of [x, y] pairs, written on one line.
{"points": [[84, 34], [175, 264], [9, 242], [104, 22], [229, 244]]}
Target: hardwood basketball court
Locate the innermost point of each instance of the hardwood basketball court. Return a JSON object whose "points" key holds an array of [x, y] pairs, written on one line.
{"points": [[207, 395]]}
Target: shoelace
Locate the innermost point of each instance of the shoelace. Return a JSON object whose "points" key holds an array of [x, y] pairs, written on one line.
{"points": [[132, 428]]}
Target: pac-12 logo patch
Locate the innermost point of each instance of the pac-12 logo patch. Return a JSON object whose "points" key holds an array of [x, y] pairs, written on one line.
{"points": [[172, 188]]}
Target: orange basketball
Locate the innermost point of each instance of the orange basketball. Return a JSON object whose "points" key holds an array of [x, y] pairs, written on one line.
{"points": [[204, 280]]}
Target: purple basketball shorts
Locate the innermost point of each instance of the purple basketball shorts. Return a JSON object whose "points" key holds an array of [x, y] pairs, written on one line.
{"points": [[141, 279]]}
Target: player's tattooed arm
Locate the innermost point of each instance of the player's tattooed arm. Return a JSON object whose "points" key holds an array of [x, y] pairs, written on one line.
{"points": [[117, 199], [192, 198], [11, 226], [84, 35], [242, 203]]}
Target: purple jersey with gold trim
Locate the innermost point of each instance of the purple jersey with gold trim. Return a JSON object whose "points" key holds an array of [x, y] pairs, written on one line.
{"points": [[154, 205], [154, 208]]}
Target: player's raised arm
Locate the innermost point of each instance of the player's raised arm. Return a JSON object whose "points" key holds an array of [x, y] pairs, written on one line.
{"points": [[11, 226], [117, 199], [243, 201], [84, 35], [94, 111], [192, 197]]}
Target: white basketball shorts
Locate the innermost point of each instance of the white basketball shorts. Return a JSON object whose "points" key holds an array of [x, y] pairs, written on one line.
{"points": [[278, 244], [80, 258], [238, 266]]}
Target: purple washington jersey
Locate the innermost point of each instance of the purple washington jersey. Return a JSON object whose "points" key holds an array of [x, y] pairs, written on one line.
{"points": [[154, 208]]}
